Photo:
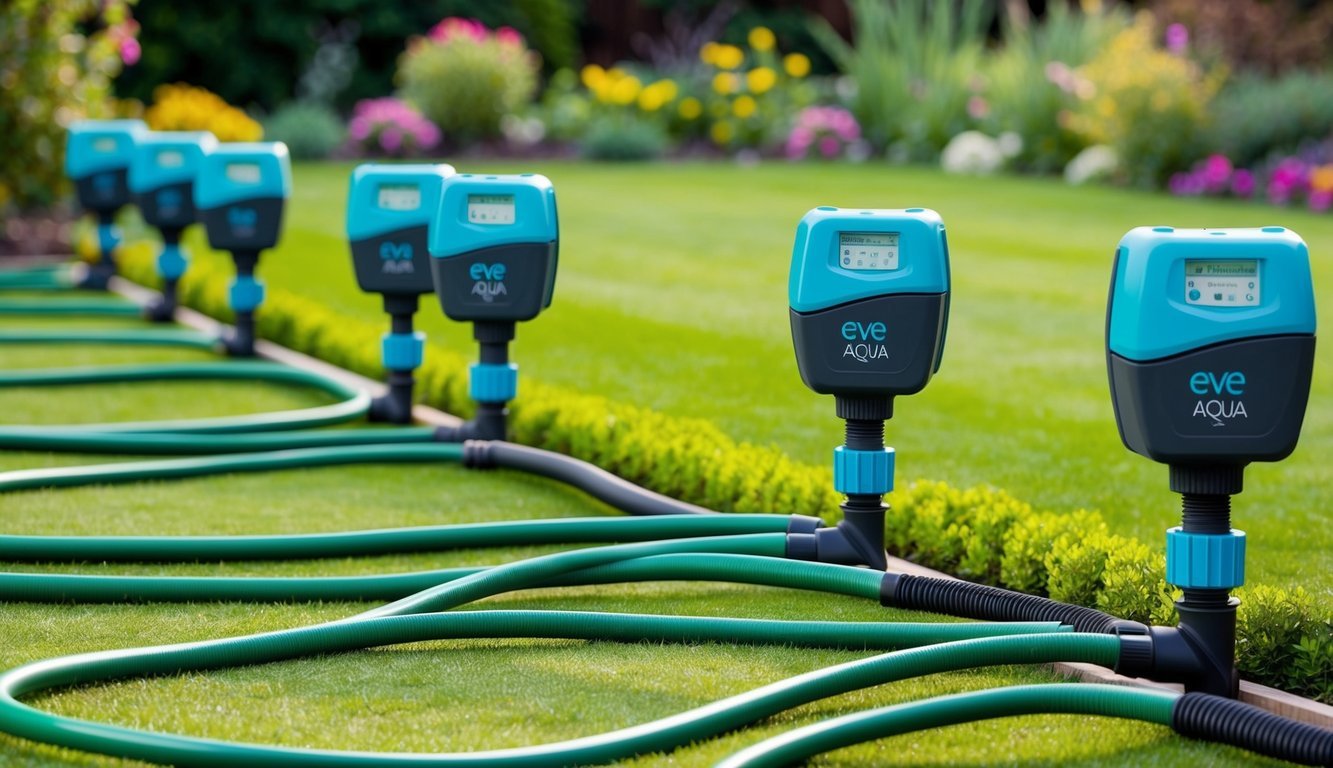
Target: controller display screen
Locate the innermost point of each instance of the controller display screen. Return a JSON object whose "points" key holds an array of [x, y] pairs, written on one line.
{"points": [[170, 158], [490, 209], [104, 145], [399, 197], [868, 251], [243, 173], [1229, 283]]}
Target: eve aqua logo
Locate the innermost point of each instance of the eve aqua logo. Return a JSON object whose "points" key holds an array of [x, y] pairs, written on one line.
{"points": [[865, 340], [489, 281], [396, 258], [242, 220], [1216, 393]]}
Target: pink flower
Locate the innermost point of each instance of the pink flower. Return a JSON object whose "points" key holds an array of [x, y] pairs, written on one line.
{"points": [[1321, 200], [1177, 38], [1060, 75], [130, 51], [1242, 183], [977, 107], [454, 26], [509, 36], [359, 128], [829, 146], [1216, 173], [391, 139]]}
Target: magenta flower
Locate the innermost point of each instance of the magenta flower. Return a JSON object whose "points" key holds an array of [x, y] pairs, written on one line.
{"points": [[828, 130], [1177, 38], [1321, 200], [1242, 183], [508, 36], [391, 126], [130, 51]]}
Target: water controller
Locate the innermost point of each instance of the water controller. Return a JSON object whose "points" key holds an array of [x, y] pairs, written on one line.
{"points": [[389, 211], [239, 195], [1210, 348], [869, 296], [162, 177], [98, 154], [493, 248]]}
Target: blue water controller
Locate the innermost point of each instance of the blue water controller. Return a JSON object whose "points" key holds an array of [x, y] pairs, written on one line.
{"points": [[240, 194], [869, 304], [1210, 339], [98, 154], [494, 246], [161, 180], [389, 212]]}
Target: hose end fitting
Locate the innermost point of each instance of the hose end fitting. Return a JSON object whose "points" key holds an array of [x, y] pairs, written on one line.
{"points": [[476, 453]]}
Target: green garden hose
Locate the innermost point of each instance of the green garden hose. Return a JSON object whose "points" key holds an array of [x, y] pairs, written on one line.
{"points": [[354, 402], [793, 747], [151, 337], [745, 558], [43, 277], [96, 306], [37, 438]]}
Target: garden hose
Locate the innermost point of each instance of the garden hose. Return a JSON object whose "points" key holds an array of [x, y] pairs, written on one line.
{"points": [[353, 402], [1197, 715], [152, 337], [42, 277], [95, 306]]}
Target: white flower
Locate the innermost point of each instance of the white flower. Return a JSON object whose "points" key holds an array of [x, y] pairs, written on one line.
{"points": [[1010, 144], [972, 152], [1095, 162]]}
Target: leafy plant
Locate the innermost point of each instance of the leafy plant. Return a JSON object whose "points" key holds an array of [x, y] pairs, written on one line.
{"points": [[53, 73], [1032, 85], [1255, 116], [624, 137], [465, 77], [311, 131], [914, 65], [1147, 103]]}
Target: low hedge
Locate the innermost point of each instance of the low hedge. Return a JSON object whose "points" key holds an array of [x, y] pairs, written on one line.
{"points": [[980, 534]]}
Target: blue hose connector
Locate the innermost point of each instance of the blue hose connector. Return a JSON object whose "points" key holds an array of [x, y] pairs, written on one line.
{"points": [[403, 351], [1205, 561], [171, 262], [493, 383], [108, 237], [247, 294], [867, 472]]}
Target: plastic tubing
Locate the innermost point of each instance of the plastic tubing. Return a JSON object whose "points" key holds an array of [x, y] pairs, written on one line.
{"points": [[740, 558], [151, 337], [93, 307], [354, 403]]}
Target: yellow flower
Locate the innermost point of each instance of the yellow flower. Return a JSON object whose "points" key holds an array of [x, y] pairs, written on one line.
{"points": [[796, 64], [743, 107], [726, 83], [593, 77], [762, 39], [690, 108], [708, 53], [760, 79], [728, 57], [1321, 178], [625, 90], [721, 133], [654, 96]]}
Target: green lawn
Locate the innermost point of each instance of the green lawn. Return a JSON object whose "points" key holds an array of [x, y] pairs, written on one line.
{"points": [[442, 695], [672, 294]]}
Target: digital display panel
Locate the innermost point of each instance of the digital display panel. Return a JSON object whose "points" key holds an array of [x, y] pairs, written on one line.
{"points": [[399, 197], [105, 145], [490, 209], [868, 251], [244, 173], [170, 158], [1230, 283]]}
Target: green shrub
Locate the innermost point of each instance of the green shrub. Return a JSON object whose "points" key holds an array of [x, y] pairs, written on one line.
{"points": [[984, 534], [915, 66], [1245, 128], [311, 131], [1032, 82], [465, 78], [624, 137], [52, 73]]}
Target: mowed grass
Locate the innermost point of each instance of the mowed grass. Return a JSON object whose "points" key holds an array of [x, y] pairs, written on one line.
{"points": [[672, 294], [446, 695]]}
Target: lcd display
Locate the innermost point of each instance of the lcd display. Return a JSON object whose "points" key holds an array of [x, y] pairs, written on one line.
{"points": [[243, 173], [490, 209], [400, 197], [868, 251], [1230, 283], [170, 158]]}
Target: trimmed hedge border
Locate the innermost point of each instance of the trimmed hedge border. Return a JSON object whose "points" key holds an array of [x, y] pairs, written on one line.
{"points": [[981, 534]]}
